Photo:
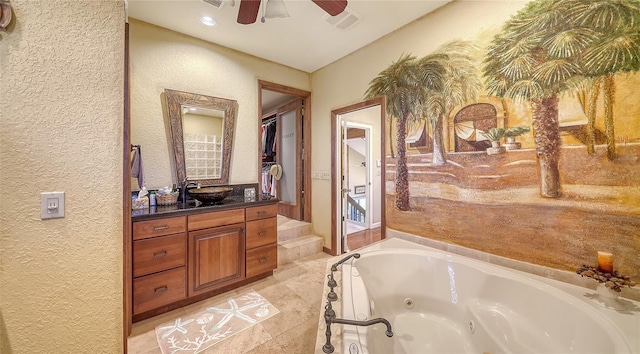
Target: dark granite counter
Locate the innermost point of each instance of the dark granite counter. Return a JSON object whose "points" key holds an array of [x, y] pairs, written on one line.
{"points": [[234, 201]]}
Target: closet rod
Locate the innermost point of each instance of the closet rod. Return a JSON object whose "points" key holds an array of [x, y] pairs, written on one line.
{"points": [[268, 121]]}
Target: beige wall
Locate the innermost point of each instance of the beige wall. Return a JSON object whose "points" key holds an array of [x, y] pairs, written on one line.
{"points": [[339, 85], [61, 129], [163, 59]]}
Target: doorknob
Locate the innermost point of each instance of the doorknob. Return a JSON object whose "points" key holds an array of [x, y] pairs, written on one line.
{"points": [[346, 190]]}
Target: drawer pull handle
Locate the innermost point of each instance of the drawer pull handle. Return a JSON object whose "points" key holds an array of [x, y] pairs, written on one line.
{"points": [[160, 290], [160, 254], [160, 228], [262, 260], [262, 233], [261, 212]]}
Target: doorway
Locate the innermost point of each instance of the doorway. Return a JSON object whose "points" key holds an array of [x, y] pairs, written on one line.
{"points": [[358, 215], [358, 170], [287, 111]]}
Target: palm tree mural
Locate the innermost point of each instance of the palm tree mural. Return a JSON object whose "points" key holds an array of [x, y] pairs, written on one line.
{"points": [[406, 85], [549, 45], [520, 67], [613, 29], [461, 84]]}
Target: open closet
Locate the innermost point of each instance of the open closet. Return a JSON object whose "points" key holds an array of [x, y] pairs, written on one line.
{"points": [[268, 180], [284, 132]]}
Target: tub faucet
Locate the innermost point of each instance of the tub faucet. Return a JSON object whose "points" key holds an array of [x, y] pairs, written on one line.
{"points": [[334, 267], [330, 317]]}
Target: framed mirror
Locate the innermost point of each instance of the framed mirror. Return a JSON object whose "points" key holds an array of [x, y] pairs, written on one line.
{"points": [[202, 129]]}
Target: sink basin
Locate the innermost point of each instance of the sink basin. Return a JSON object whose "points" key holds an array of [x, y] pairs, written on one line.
{"points": [[210, 194]]}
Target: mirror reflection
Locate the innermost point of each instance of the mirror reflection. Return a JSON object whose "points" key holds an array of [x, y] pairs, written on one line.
{"points": [[202, 136]]}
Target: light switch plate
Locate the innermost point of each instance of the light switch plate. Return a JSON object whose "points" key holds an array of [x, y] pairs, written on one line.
{"points": [[51, 205]]}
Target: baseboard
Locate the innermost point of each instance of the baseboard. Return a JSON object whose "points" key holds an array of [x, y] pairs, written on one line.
{"points": [[327, 251]]}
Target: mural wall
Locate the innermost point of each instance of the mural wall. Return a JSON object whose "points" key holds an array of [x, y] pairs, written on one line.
{"points": [[529, 147]]}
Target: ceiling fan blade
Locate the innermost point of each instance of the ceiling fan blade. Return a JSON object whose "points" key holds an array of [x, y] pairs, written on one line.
{"points": [[248, 12], [332, 7]]}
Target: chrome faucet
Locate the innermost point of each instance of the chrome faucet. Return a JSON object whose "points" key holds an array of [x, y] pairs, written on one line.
{"points": [[183, 188]]}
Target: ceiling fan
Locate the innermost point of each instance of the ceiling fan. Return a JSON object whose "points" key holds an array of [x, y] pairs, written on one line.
{"points": [[248, 12]]}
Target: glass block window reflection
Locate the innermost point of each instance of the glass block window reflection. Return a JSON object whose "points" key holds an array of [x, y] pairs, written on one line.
{"points": [[203, 156]]}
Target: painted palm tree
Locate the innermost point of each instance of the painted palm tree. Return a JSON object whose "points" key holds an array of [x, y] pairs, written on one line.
{"points": [[613, 45], [519, 66], [406, 85], [550, 44], [587, 92], [461, 84]]}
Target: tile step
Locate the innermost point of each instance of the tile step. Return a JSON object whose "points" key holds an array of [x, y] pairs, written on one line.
{"points": [[292, 231], [299, 247]]}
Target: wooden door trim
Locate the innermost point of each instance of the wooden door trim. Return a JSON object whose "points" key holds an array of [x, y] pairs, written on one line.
{"points": [[335, 178], [127, 268], [306, 133]]}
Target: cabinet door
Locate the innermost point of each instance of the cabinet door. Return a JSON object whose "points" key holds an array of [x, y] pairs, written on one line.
{"points": [[216, 257]]}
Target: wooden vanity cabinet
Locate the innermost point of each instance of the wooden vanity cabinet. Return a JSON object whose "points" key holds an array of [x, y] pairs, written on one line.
{"points": [[179, 260]]}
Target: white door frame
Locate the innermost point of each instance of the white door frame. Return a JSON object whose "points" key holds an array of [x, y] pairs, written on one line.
{"points": [[336, 181], [346, 124]]}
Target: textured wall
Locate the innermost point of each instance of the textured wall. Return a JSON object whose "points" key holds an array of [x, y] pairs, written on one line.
{"points": [[61, 129], [163, 59]]}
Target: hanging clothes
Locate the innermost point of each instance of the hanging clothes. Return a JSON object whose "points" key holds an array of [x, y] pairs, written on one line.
{"points": [[136, 165], [269, 139]]}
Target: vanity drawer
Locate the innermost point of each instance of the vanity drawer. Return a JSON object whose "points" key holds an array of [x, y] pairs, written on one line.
{"points": [[156, 254], [215, 219], [261, 232], [261, 259], [262, 212], [152, 291], [159, 227]]}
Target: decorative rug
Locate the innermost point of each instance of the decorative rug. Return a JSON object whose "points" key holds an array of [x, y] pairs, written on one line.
{"points": [[198, 331]]}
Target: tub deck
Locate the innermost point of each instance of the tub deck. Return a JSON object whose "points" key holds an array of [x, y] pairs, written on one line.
{"points": [[487, 316]]}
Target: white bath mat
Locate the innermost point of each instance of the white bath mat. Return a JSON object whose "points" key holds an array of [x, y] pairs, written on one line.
{"points": [[199, 331]]}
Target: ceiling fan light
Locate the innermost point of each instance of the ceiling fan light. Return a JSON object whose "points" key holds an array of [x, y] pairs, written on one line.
{"points": [[276, 9]]}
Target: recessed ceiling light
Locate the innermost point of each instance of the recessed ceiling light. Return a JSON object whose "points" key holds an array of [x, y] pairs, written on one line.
{"points": [[208, 21]]}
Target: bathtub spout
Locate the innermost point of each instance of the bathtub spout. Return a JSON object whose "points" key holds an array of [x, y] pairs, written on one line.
{"points": [[330, 317], [388, 332]]}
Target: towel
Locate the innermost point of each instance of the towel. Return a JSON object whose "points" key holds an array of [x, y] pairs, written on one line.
{"points": [[136, 166]]}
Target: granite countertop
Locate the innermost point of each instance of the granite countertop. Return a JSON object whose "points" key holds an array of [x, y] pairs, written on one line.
{"points": [[194, 207]]}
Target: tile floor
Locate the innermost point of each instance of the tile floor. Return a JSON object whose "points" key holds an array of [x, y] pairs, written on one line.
{"points": [[296, 289]]}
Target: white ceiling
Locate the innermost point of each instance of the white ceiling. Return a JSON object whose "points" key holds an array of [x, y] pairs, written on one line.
{"points": [[302, 41]]}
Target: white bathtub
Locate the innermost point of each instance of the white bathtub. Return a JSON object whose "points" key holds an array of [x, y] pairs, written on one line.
{"points": [[439, 302]]}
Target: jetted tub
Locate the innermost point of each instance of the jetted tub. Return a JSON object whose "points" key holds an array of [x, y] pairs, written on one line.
{"points": [[438, 302]]}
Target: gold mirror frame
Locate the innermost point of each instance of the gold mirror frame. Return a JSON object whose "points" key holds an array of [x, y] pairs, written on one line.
{"points": [[175, 101]]}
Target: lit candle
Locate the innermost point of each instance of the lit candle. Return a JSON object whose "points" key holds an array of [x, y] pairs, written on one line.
{"points": [[605, 262]]}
